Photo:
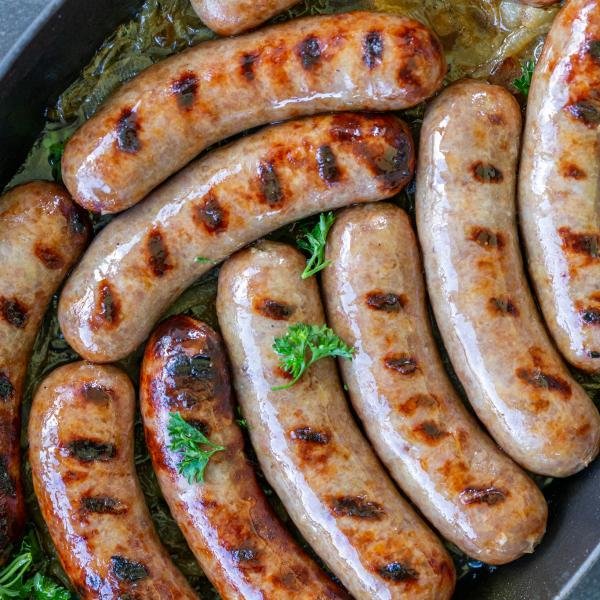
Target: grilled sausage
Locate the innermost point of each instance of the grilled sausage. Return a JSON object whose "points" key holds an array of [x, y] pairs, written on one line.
{"points": [[226, 520], [143, 259], [234, 16], [512, 374], [469, 490], [310, 450], [42, 233], [162, 119], [560, 183], [81, 454]]}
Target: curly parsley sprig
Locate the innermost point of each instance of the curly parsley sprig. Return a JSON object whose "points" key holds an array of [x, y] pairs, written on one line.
{"points": [[303, 344], [195, 448], [314, 241], [523, 83]]}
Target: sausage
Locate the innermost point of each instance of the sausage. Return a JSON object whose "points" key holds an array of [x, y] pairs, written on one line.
{"points": [[310, 450], [42, 233], [234, 16], [145, 258], [159, 121], [513, 376], [559, 183], [471, 492], [81, 455], [227, 521], [539, 3]]}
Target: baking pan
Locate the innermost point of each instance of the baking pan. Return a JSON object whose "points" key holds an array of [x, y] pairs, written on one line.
{"points": [[48, 57]]}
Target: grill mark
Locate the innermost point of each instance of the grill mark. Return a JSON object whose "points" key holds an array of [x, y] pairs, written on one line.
{"points": [[593, 49], [185, 88], [588, 112], [309, 51], [346, 127], [386, 301], [102, 505], [430, 432], [572, 171], [77, 220], [247, 65], [327, 165], [273, 309], [86, 450], [590, 316], [397, 571], [7, 389], [503, 306], [127, 570], [49, 257], [580, 243], [197, 367], [211, 215], [244, 554], [490, 496], [158, 253], [127, 130], [107, 307], [357, 507], [373, 49], [418, 401], [98, 394], [538, 379], [486, 173], [307, 434], [7, 485], [394, 166], [14, 312], [594, 354], [486, 238], [270, 186], [402, 363]]}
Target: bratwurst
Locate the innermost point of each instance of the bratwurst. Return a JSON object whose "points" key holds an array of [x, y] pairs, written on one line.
{"points": [[226, 519], [82, 465], [467, 488], [513, 376], [163, 118], [42, 234], [228, 17], [559, 186], [309, 447], [144, 259]]}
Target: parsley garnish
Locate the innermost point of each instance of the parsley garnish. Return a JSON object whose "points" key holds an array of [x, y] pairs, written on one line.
{"points": [[523, 83], [313, 241], [39, 587], [204, 259], [303, 345], [188, 440]]}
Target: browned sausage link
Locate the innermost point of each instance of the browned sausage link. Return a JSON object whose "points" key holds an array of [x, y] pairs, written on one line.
{"points": [[312, 453], [146, 257], [226, 520], [513, 376], [235, 16], [471, 492], [81, 454], [42, 233], [560, 183], [158, 122]]}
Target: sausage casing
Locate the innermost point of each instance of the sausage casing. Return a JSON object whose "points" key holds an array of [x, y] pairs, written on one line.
{"points": [[82, 464], [163, 118], [513, 376], [145, 258], [42, 234], [559, 183], [234, 16], [309, 447], [226, 520], [465, 486]]}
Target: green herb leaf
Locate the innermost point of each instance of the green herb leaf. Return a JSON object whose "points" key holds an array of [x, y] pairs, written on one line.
{"points": [[204, 259], [44, 588], [313, 242], [189, 441], [523, 83], [303, 345]]}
